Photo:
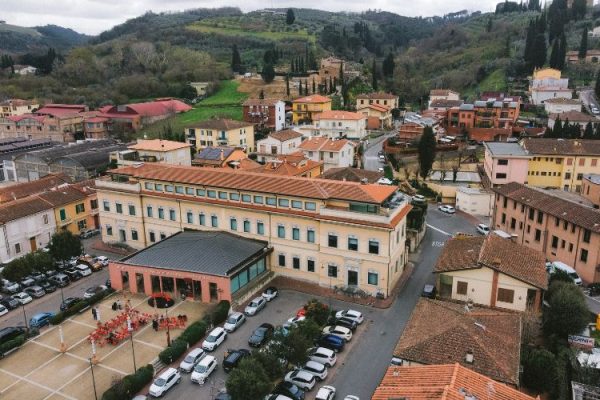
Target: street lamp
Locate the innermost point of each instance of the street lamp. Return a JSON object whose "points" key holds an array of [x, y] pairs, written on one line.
{"points": [[25, 317], [168, 328], [93, 379], [62, 295], [130, 330]]}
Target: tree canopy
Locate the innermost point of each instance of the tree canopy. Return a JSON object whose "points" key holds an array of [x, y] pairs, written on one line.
{"points": [[427, 147], [64, 245], [567, 312]]}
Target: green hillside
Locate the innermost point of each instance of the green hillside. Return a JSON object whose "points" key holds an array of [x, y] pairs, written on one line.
{"points": [[17, 39]]}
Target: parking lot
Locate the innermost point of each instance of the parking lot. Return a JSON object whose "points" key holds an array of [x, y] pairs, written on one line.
{"points": [[276, 312], [38, 370]]}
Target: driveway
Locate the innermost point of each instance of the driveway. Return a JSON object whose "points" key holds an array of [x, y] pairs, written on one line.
{"points": [[371, 156], [588, 98]]}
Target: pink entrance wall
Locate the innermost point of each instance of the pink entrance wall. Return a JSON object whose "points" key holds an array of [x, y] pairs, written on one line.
{"points": [[115, 269]]}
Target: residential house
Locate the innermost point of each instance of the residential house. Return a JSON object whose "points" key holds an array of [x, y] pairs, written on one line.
{"points": [[329, 69], [475, 201], [489, 119], [491, 271], [219, 157], [378, 98], [442, 382], [221, 132], [349, 174], [546, 84], [155, 150], [444, 105], [414, 125], [305, 109], [75, 206], [595, 32], [294, 164], [13, 107], [563, 226], [265, 113], [378, 116], [484, 340], [56, 122], [561, 163], [132, 117], [24, 189], [322, 231], [442, 94], [573, 117], [590, 188], [560, 105], [26, 225], [591, 56], [334, 153], [341, 124], [278, 143], [505, 162], [446, 182], [24, 69]]}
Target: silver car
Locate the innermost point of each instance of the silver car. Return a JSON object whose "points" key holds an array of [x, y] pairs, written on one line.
{"points": [[234, 321], [255, 306]]}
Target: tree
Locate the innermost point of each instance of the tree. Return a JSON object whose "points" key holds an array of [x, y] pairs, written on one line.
{"points": [[490, 25], [269, 362], [236, 61], [300, 91], [597, 86], [374, 75], [562, 52], [290, 17], [314, 86], [388, 66], [578, 9], [64, 245], [261, 95], [268, 73], [539, 370], [248, 381], [287, 85], [539, 50], [427, 145], [292, 346], [555, 54], [306, 88], [588, 133], [567, 312], [583, 44], [317, 311]]}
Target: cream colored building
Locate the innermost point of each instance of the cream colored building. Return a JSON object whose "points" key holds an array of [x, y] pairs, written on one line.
{"points": [[325, 232], [475, 201], [14, 107], [561, 105], [156, 150], [221, 132], [341, 124]]}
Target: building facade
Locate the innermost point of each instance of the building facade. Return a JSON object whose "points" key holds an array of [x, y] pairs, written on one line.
{"points": [[324, 232], [381, 99], [562, 105], [442, 95], [221, 132], [278, 143], [333, 153], [14, 107], [590, 188], [546, 84], [305, 109], [560, 225], [505, 162], [341, 124], [265, 113], [474, 201]]}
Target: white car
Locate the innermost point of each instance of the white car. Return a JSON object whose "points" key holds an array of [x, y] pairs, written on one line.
{"points": [[214, 339], [380, 169], [102, 260], [354, 315], [302, 379], [339, 331], [10, 287], [94, 290], [164, 382], [446, 209], [255, 306], [483, 229], [384, 181], [234, 321], [326, 393], [276, 397], [322, 355], [3, 310], [270, 293], [419, 199], [22, 298], [203, 369], [294, 320], [317, 369], [351, 397], [192, 358]]}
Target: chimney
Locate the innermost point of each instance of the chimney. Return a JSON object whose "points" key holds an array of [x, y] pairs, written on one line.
{"points": [[222, 156], [469, 357]]}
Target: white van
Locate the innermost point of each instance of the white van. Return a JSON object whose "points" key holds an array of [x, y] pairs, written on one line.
{"points": [[83, 269], [560, 266]]}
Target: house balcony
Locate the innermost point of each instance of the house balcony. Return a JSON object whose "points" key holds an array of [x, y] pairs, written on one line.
{"points": [[104, 183], [385, 214]]}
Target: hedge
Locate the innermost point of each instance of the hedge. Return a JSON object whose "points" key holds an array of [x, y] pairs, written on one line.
{"points": [[194, 332], [11, 344], [62, 315], [173, 352], [127, 387], [220, 313], [191, 335]]}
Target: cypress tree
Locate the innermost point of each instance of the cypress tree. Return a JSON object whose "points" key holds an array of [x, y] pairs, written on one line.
{"points": [[374, 75], [287, 85], [563, 51], [589, 131], [314, 87], [597, 87], [236, 61], [306, 88], [555, 54], [300, 88], [583, 44], [539, 50]]}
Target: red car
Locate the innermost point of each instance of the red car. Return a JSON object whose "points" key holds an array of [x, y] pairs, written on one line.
{"points": [[301, 312]]}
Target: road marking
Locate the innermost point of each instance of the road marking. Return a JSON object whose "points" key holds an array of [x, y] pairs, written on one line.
{"points": [[437, 244], [439, 230]]}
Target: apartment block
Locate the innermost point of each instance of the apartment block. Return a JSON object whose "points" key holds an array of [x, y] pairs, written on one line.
{"points": [[322, 231], [265, 113], [221, 132]]}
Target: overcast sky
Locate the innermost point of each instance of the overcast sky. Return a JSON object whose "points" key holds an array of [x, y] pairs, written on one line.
{"points": [[95, 16]]}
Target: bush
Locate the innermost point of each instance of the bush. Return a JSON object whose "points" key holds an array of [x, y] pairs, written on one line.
{"points": [[62, 315], [130, 384], [172, 353], [11, 344], [219, 315], [194, 332], [539, 370]]}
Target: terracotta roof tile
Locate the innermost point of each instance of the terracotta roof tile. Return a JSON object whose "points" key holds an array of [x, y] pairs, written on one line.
{"points": [[503, 255], [446, 103], [351, 174], [378, 95], [552, 204], [321, 143], [286, 168], [256, 182], [315, 98], [441, 92], [158, 145], [20, 190], [23, 208], [340, 115], [573, 116], [562, 100], [561, 147], [285, 135], [62, 196], [443, 332], [376, 107], [441, 382], [220, 124]]}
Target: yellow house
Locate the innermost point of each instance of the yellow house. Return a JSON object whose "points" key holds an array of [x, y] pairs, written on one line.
{"points": [[305, 109], [491, 271], [561, 163], [75, 207], [546, 73], [221, 132]]}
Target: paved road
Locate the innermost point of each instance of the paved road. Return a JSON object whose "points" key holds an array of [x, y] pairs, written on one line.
{"points": [[588, 99], [361, 367], [371, 157]]}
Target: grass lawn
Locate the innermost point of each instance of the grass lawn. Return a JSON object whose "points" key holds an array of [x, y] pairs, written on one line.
{"points": [[235, 31], [496, 81], [227, 94]]}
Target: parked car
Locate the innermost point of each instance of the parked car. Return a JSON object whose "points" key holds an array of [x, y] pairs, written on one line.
{"points": [[419, 199], [446, 209], [352, 314], [317, 369], [3, 310], [10, 303], [223, 396], [261, 335], [61, 280], [290, 390], [102, 260], [384, 181], [326, 393], [69, 302], [50, 272], [255, 306], [38, 277], [270, 293], [164, 382], [22, 297], [345, 322], [73, 274], [234, 321], [47, 286], [10, 332], [35, 291], [10, 287], [233, 358], [322, 355], [351, 397], [94, 290], [396, 361], [214, 339], [40, 319], [429, 291], [302, 379], [83, 269], [294, 320], [27, 282], [340, 331], [203, 369], [277, 397], [332, 342], [483, 229], [192, 358]]}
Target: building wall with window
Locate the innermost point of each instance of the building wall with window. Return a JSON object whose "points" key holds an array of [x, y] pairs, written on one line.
{"points": [[368, 254]]}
